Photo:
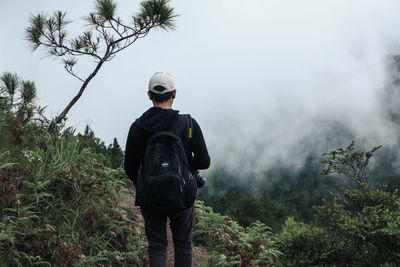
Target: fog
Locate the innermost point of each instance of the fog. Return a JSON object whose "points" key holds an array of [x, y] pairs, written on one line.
{"points": [[268, 81]]}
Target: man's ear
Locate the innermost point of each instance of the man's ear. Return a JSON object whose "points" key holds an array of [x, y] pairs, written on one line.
{"points": [[174, 94], [150, 96]]}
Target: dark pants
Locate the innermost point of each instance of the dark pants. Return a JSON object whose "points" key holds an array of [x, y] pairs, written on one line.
{"points": [[156, 231]]}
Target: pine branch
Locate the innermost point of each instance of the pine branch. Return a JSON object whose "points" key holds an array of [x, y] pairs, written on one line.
{"points": [[107, 36]]}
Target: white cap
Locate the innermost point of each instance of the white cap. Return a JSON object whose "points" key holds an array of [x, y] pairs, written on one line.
{"points": [[164, 80]]}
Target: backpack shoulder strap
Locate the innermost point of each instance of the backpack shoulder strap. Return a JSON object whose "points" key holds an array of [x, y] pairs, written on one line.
{"points": [[190, 126], [179, 125], [183, 122]]}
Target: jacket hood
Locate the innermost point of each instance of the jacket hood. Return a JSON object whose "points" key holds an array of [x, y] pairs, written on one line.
{"points": [[156, 119]]}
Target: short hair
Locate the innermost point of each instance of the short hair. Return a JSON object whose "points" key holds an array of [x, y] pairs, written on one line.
{"points": [[161, 98]]}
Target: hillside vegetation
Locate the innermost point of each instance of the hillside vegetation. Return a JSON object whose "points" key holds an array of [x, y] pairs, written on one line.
{"points": [[59, 202], [61, 195]]}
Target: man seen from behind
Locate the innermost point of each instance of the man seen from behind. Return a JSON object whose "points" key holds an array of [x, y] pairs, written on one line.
{"points": [[164, 151]]}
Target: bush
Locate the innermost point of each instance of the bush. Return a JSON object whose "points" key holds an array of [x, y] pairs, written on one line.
{"points": [[355, 228], [358, 228], [365, 227], [230, 244], [303, 244], [59, 205]]}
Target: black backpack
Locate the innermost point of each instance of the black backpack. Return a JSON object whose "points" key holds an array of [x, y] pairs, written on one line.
{"points": [[166, 180]]}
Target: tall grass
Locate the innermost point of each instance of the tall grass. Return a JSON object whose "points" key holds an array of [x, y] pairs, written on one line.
{"points": [[59, 206]]}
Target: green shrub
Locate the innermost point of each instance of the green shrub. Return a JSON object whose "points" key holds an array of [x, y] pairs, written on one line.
{"points": [[230, 244], [360, 227], [303, 244], [60, 206], [365, 227], [355, 228]]}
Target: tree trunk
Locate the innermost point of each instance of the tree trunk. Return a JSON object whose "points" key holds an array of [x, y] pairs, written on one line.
{"points": [[62, 115]]}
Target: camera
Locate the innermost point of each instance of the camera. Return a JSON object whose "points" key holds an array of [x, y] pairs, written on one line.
{"points": [[200, 180]]}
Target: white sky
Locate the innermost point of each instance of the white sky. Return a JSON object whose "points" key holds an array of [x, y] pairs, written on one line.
{"points": [[256, 72]]}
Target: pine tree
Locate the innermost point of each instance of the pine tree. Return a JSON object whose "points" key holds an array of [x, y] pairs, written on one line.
{"points": [[107, 35], [116, 155]]}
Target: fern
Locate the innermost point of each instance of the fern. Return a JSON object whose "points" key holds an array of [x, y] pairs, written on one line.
{"points": [[230, 244]]}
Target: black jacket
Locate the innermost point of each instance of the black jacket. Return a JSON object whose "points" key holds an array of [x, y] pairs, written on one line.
{"points": [[155, 120]]}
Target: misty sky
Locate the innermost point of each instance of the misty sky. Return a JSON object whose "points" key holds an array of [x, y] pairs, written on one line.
{"points": [[258, 75]]}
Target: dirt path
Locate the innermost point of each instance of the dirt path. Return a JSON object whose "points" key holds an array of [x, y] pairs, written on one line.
{"points": [[128, 200]]}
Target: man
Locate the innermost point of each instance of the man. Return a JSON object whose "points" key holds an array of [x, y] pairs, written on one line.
{"points": [[161, 117]]}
